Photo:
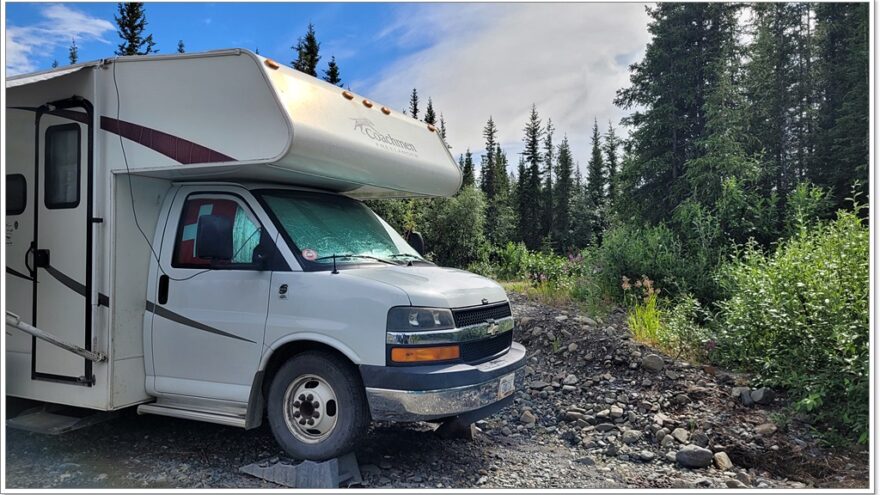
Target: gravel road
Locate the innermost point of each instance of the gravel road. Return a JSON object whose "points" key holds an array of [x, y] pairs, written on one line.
{"points": [[591, 418]]}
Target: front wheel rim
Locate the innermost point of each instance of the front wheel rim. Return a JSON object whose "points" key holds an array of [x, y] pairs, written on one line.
{"points": [[310, 408]]}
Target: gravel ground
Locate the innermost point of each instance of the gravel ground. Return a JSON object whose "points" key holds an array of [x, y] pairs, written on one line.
{"points": [[595, 414]]}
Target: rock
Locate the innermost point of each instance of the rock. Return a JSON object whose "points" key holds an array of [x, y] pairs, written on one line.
{"points": [[722, 461], [662, 419], [571, 416], [616, 412], [746, 398], [700, 438], [736, 392], [744, 478], [538, 385], [571, 438], [681, 399], [631, 436], [658, 437], [652, 362], [587, 461], [570, 380], [560, 318], [646, 456], [587, 320], [482, 480], [765, 429], [603, 427], [671, 375], [680, 434], [572, 347], [527, 417], [693, 456], [735, 484], [670, 457], [568, 388], [667, 442], [763, 396], [506, 431]]}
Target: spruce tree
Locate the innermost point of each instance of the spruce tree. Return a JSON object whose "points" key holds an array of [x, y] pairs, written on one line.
{"points": [[596, 170], [414, 104], [131, 21], [530, 191], [488, 173], [307, 51], [180, 47], [73, 52], [430, 116], [331, 74], [547, 189], [611, 162], [54, 64], [563, 194], [468, 169], [442, 127]]}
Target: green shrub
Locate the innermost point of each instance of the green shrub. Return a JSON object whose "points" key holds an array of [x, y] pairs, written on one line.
{"points": [[453, 229], [798, 319], [644, 315]]}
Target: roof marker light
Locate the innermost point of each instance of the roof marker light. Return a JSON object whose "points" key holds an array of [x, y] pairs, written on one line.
{"points": [[431, 128], [348, 95], [386, 110], [368, 103], [271, 64]]}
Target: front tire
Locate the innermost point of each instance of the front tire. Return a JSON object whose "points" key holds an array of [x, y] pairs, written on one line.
{"points": [[317, 408]]}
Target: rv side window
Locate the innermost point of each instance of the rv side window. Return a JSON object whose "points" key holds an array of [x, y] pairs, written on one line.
{"points": [[16, 194], [245, 231], [62, 166]]}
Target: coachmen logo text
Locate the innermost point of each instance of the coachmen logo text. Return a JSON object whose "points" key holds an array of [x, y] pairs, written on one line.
{"points": [[384, 140]]}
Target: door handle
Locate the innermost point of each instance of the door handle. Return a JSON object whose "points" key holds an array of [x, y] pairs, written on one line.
{"points": [[27, 260], [163, 289]]}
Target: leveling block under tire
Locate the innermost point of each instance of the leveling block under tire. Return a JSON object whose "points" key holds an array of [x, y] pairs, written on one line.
{"points": [[317, 408]]}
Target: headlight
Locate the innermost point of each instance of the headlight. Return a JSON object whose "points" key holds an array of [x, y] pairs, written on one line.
{"points": [[410, 319]]}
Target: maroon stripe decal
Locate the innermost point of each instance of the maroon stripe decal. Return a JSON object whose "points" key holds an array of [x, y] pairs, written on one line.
{"points": [[173, 147]]}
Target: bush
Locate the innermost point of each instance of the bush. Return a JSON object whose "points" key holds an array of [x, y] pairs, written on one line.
{"points": [[453, 229], [798, 319]]}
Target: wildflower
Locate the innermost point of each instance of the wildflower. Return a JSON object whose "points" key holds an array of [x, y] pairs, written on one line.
{"points": [[625, 283]]}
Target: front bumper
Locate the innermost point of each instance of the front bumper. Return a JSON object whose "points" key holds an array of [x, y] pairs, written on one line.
{"points": [[423, 393]]}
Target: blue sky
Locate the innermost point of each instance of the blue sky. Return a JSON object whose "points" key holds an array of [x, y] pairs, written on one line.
{"points": [[474, 60]]}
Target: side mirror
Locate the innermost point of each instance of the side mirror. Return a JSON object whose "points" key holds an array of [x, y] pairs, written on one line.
{"points": [[214, 238], [264, 252], [416, 240]]}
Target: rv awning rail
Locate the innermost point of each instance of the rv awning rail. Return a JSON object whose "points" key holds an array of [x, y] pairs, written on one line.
{"points": [[14, 320]]}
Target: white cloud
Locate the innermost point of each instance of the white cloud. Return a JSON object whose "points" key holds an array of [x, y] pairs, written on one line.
{"points": [[477, 60], [60, 24]]}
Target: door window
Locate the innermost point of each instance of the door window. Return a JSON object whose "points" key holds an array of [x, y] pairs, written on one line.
{"points": [[16, 194], [62, 161], [245, 232]]}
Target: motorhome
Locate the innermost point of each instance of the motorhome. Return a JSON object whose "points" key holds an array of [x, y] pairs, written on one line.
{"points": [[186, 235]]}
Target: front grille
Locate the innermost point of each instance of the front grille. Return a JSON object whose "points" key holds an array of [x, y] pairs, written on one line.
{"points": [[472, 316], [480, 350]]}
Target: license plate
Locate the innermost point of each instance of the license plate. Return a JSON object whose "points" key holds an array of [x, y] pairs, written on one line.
{"points": [[505, 386]]}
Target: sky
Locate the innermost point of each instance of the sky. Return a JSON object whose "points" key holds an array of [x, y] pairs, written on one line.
{"points": [[473, 60]]}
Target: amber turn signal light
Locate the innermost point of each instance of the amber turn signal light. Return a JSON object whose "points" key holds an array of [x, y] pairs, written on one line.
{"points": [[422, 354]]}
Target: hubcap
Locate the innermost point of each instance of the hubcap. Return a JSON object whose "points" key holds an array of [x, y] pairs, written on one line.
{"points": [[310, 408]]}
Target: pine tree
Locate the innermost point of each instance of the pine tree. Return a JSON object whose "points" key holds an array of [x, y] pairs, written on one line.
{"points": [[468, 169], [180, 47], [54, 64], [488, 173], [563, 194], [257, 50], [430, 116], [331, 74], [529, 199], [307, 51], [596, 170], [442, 127], [414, 104], [131, 22], [547, 189], [73, 52], [611, 162]]}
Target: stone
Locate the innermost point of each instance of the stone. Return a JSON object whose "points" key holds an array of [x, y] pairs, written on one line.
{"points": [[573, 416], [693, 456], [631, 436], [616, 412], [765, 429], [746, 398], [586, 461], [680, 434], [700, 438], [744, 478], [671, 375], [569, 388], [722, 461], [527, 418], [572, 347], [660, 435], [652, 362], [646, 455], [603, 427], [763, 396], [735, 484], [681, 399], [662, 419], [667, 442], [736, 392], [538, 385], [560, 318], [570, 380]]}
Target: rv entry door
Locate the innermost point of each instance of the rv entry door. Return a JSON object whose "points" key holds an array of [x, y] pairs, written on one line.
{"points": [[61, 252]]}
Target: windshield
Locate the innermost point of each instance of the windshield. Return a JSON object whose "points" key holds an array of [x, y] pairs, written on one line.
{"points": [[323, 225]]}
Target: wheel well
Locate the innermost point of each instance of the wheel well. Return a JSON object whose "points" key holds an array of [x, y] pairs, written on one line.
{"points": [[289, 350]]}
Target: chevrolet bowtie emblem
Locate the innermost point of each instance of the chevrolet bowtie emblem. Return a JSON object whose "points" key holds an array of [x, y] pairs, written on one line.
{"points": [[492, 329]]}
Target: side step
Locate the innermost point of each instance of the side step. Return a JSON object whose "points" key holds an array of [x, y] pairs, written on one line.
{"points": [[55, 420], [176, 412]]}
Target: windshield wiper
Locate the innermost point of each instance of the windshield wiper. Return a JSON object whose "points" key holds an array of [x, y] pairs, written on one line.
{"points": [[334, 257], [405, 254]]}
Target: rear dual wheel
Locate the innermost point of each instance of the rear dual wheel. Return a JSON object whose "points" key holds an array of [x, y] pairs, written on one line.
{"points": [[317, 408]]}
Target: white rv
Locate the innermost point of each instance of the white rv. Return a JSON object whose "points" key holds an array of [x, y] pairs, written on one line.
{"points": [[184, 234]]}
